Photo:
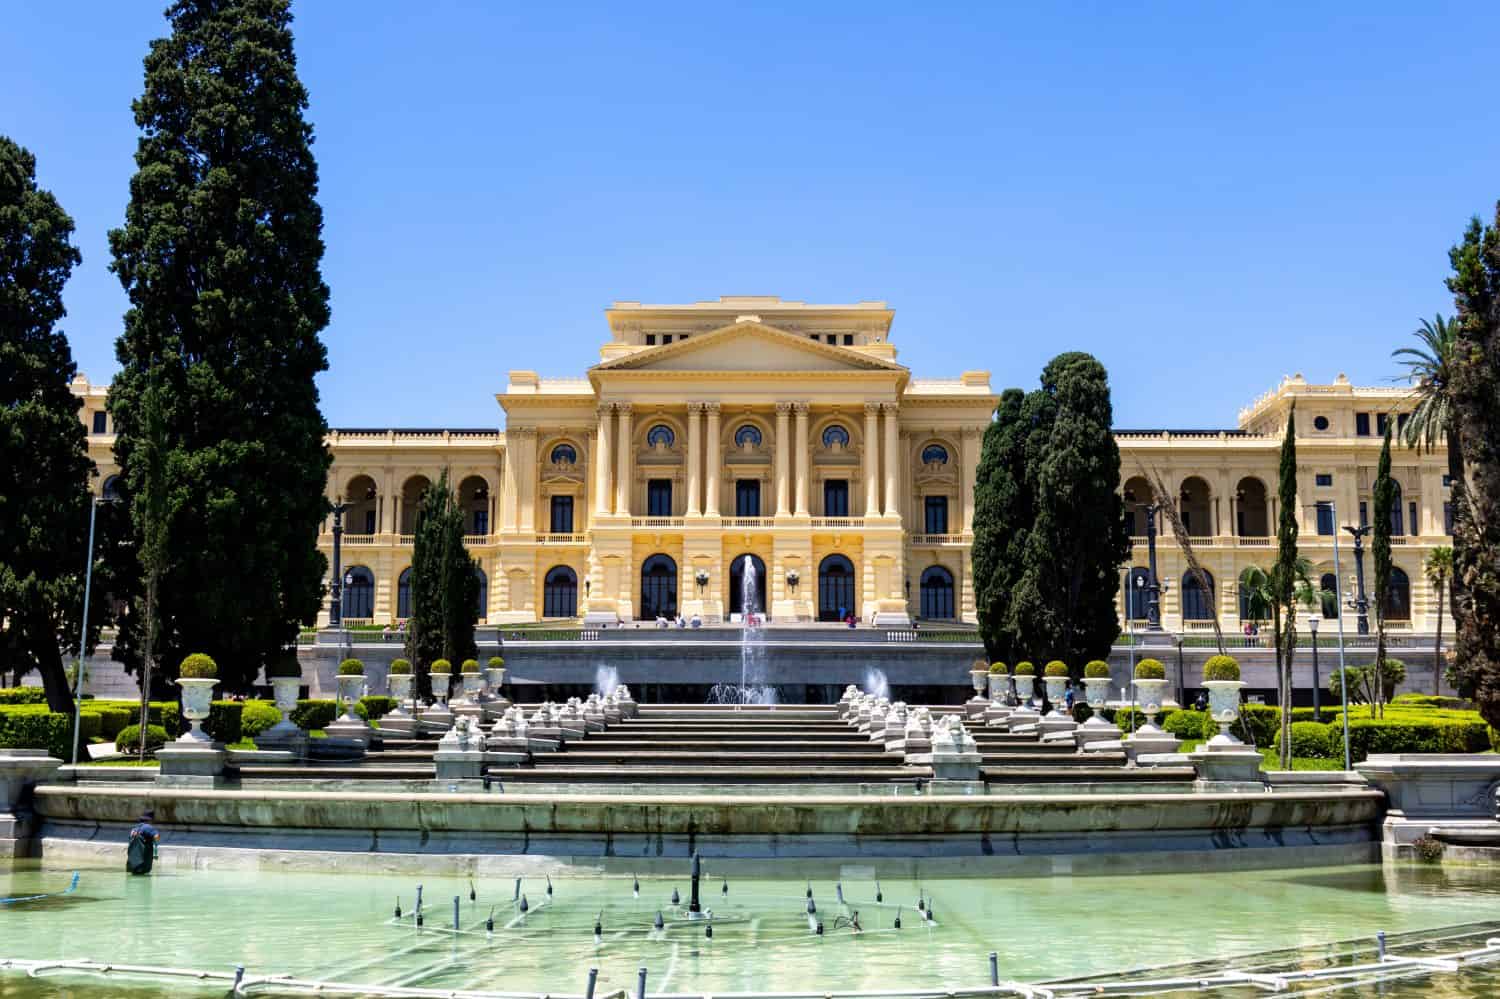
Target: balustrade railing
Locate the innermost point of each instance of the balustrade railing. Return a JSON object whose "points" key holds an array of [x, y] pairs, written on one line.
{"points": [[657, 521], [937, 539], [562, 539]]}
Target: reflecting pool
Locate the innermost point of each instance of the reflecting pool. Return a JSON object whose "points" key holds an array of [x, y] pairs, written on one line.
{"points": [[344, 928]]}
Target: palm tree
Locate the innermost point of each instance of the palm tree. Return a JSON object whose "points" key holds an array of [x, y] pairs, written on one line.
{"points": [[1429, 370], [1439, 569], [1258, 589]]}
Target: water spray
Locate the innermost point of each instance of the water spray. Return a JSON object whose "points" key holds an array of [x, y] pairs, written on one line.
{"points": [[455, 913], [549, 886], [524, 905], [659, 923], [637, 887], [398, 906], [812, 906], [878, 896], [489, 924], [898, 918], [676, 898], [599, 928], [725, 889], [838, 889], [471, 891]]}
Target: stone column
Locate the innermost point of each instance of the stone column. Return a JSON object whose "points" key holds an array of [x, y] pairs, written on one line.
{"points": [[695, 445], [510, 486], [783, 449], [601, 462], [799, 454], [892, 462], [524, 449], [711, 461], [872, 459], [624, 445], [969, 443]]}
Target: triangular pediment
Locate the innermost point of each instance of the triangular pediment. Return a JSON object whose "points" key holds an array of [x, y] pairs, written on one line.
{"points": [[749, 346]]}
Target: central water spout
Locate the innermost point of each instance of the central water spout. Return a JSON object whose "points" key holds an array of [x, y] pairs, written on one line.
{"points": [[693, 906]]}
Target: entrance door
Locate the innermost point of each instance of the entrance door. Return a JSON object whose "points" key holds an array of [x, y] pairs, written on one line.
{"points": [[737, 585], [835, 588], [658, 588]]}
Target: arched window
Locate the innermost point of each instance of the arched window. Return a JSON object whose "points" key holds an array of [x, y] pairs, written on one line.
{"points": [[737, 585], [111, 490], [560, 592], [1138, 597], [937, 593], [934, 454], [835, 588], [660, 436], [747, 436], [1398, 597], [658, 588], [403, 594], [482, 601], [564, 454], [359, 592], [1398, 522], [1198, 596], [1329, 584], [835, 436]]}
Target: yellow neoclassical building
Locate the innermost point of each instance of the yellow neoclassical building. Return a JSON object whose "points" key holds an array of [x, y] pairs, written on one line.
{"points": [[784, 437]]}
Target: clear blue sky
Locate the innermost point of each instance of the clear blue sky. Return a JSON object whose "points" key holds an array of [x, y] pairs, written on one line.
{"points": [[1206, 196]]}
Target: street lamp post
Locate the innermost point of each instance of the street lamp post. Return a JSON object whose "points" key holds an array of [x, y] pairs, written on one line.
{"points": [[1361, 604], [1313, 620], [1153, 601], [83, 627], [336, 607], [1343, 675]]}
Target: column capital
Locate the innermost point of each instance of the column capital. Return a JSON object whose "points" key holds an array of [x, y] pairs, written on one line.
{"points": [[783, 407], [710, 407], [872, 407], [800, 408], [520, 431], [605, 408], [624, 407], [695, 407], [890, 407]]}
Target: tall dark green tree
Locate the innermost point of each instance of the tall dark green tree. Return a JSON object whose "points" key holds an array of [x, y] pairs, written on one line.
{"points": [[44, 464], [1474, 394], [1002, 519], [219, 256], [1063, 605], [1284, 579], [1380, 551], [444, 587]]}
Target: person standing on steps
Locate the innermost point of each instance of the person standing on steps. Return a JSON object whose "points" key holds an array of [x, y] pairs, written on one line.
{"points": [[140, 853]]}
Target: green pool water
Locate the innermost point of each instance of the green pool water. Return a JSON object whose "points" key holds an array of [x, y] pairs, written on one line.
{"points": [[341, 927]]}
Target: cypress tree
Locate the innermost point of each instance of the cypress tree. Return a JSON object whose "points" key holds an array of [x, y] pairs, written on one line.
{"points": [[44, 464], [216, 410], [1002, 519], [1475, 399], [444, 587], [1284, 579], [1380, 555], [1064, 599]]}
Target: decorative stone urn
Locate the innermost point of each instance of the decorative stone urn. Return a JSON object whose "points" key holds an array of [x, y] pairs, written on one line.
{"points": [[980, 678], [1023, 688], [1224, 708], [351, 689], [1148, 697], [495, 676], [1096, 693], [285, 732], [473, 684], [197, 697], [399, 686], [440, 683], [999, 687], [1057, 690]]}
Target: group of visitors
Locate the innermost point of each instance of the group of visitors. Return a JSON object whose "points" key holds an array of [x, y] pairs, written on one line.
{"points": [[662, 621]]}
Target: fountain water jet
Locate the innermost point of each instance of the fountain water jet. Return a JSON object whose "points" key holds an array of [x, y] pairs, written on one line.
{"points": [[752, 688]]}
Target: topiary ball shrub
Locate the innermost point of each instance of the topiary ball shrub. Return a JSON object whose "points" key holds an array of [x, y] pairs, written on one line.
{"points": [[1190, 725], [1313, 740], [496, 662], [198, 667], [256, 717], [351, 667], [998, 668], [470, 666], [1221, 668], [400, 667], [1055, 668], [282, 667], [314, 714], [128, 741], [1150, 669], [1097, 669], [442, 666], [1025, 669], [376, 706]]}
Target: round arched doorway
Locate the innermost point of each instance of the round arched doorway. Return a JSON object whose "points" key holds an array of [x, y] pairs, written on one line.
{"points": [[737, 585], [658, 588]]}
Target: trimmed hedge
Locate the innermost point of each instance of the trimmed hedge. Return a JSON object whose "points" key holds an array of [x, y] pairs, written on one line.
{"points": [[311, 714], [223, 721], [1221, 668], [1423, 701], [1190, 725], [376, 706], [32, 726], [23, 695], [1367, 737], [130, 739], [111, 720], [1314, 739], [256, 717]]}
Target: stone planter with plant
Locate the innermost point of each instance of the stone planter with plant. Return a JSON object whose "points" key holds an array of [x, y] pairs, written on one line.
{"points": [[1221, 675], [197, 677], [1150, 679], [1055, 676], [495, 672], [351, 687], [999, 682], [285, 675], [1025, 680], [441, 673]]}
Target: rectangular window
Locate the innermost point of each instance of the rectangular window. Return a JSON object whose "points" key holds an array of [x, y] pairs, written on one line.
{"points": [[1324, 478], [747, 498], [1325, 519], [481, 522], [836, 498], [1447, 481], [562, 515], [1448, 519], [1380, 421], [659, 498], [812, 336], [1401, 419], [848, 339], [1411, 508], [666, 338], [937, 515], [100, 419], [1364, 514], [832, 339], [1362, 424], [651, 339]]}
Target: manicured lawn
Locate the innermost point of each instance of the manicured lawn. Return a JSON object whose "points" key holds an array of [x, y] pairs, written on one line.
{"points": [[119, 763], [1272, 761]]}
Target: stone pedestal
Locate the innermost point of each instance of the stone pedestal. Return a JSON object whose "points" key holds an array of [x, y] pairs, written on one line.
{"points": [[191, 763], [1449, 796], [20, 771], [1056, 722], [1226, 763], [285, 736], [461, 752], [955, 757]]}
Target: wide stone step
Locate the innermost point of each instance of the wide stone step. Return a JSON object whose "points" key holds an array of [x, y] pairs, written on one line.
{"points": [[726, 732], [752, 748], [711, 759], [1120, 774], [719, 775], [1069, 759]]}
